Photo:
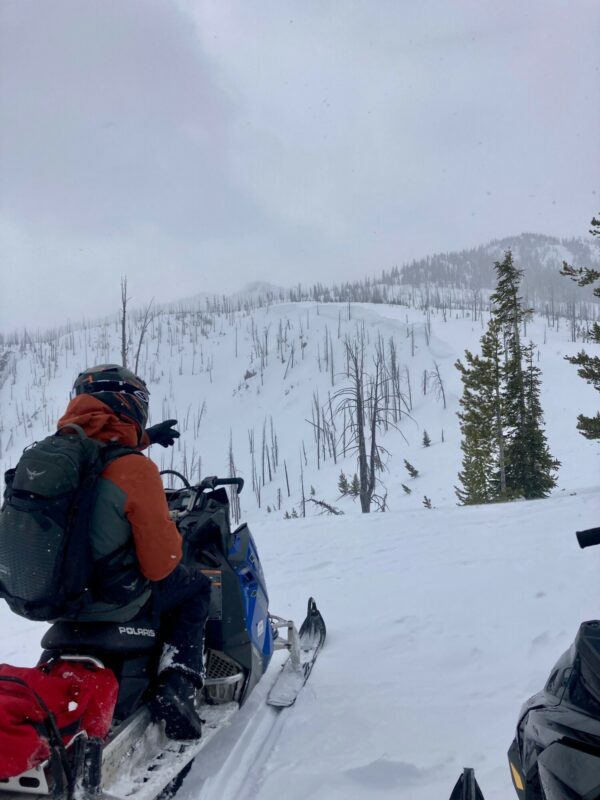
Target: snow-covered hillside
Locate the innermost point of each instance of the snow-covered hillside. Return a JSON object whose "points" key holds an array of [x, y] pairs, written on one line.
{"points": [[441, 621], [257, 375], [540, 257]]}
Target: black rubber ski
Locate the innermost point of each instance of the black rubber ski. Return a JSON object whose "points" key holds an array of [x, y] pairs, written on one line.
{"points": [[292, 677]]}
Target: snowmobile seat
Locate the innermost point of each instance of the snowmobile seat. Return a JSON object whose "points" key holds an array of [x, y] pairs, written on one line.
{"points": [[116, 638]]}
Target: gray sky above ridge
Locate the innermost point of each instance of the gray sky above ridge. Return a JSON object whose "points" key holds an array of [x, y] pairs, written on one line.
{"points": [[197, 145]]}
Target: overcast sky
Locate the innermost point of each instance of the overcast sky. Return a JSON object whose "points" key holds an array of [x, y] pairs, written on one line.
{"points": [[195, 145]]}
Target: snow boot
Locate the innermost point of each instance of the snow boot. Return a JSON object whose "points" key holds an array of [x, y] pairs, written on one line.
{"points": [[174, 702]]}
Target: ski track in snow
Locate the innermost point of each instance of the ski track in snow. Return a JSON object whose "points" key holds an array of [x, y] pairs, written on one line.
{"points": [[440, 622]]}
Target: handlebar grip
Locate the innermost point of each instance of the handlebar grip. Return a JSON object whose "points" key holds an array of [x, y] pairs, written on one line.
{"points": [[239, 482], [212, 482], [588, 538]]}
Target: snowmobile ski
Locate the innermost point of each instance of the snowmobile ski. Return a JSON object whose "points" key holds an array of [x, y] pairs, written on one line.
{"points": [[467, 787], [303, 654]]}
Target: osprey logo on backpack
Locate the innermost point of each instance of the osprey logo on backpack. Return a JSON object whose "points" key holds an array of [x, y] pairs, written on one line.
{"points": [[45, 553], [32, 474]]}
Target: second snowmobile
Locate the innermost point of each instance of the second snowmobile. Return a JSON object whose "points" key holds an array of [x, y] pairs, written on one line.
{"points": [[136, 760]]}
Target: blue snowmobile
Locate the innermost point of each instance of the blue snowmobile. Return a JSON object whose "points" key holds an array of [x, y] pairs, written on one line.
{"points": [[137, 760]]}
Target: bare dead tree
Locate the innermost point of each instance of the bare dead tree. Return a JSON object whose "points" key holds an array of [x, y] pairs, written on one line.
{"points": [[302, 488], [324, 429], [326, 508], [407, 377], [438, 383], [290, 363], [124, 301], [234, 498], [317, 426], [146, 320], [252, 457], [274, 446], [367, 416]]}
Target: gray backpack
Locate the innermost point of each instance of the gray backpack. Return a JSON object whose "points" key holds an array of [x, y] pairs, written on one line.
{"points": [[46, 563]]}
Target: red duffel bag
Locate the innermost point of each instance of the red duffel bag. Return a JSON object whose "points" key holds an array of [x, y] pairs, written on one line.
{"points": [[35, 702]]}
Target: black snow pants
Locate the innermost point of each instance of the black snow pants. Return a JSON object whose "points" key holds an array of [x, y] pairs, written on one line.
{"points": [[181, 603]]}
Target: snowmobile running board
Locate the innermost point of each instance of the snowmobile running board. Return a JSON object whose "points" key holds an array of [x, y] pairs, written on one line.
{"points": [[139, 761]]}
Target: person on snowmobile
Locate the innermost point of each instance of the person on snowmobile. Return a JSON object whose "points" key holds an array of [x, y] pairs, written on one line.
{"points": [[137, 543]]}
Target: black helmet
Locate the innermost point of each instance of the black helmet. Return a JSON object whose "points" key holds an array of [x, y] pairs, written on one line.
{"points": [[117, 387]]}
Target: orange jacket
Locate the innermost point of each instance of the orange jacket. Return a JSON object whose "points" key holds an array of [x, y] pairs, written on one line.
{"points": [[157, 540]]}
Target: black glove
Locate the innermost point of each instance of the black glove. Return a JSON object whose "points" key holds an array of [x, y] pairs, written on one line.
{"points": [[164, 433]]}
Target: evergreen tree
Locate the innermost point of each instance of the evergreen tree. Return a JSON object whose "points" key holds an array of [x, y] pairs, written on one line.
{"points": [[355, 486], [589, 366], [412, 471], [426, 439], [481, 423], [505, 453], [537, 471], [509, 315], [343, 485]]}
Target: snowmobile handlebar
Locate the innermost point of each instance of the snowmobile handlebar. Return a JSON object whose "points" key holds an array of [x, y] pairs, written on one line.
{"points": [[211, 482], [183, 501], [588, 538]]}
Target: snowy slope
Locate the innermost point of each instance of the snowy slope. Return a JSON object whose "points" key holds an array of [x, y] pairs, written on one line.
{"points": [[440, 622], [196, 367]]}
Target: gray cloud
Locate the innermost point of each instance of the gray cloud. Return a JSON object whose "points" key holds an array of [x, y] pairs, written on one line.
{"points": [[196, 145]]}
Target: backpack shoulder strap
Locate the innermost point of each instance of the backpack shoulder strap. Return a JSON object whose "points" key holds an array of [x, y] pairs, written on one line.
{"points": [[77, 428], [111, 452], [107, 451]]}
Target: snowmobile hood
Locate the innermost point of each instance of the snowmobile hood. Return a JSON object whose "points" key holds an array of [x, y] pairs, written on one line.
{"points": [[99, 421]]}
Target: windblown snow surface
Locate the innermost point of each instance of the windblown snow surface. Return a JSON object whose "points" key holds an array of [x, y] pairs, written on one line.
{"points": [[440, 622]]}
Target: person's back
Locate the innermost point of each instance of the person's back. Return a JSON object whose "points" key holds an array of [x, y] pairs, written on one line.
{"points": [[132, 537], [135, 545]]}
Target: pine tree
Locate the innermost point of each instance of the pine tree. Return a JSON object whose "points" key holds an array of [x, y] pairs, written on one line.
{"points": [[537, 476], [426, 439], [589, 366], [412, 471], [355, 486], [427, 501], [406, 489], [505, 453], [343, 485], [482, 475], [508, 314]]}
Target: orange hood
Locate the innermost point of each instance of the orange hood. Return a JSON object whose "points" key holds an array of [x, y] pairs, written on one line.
{"points": [[99, 421]]}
